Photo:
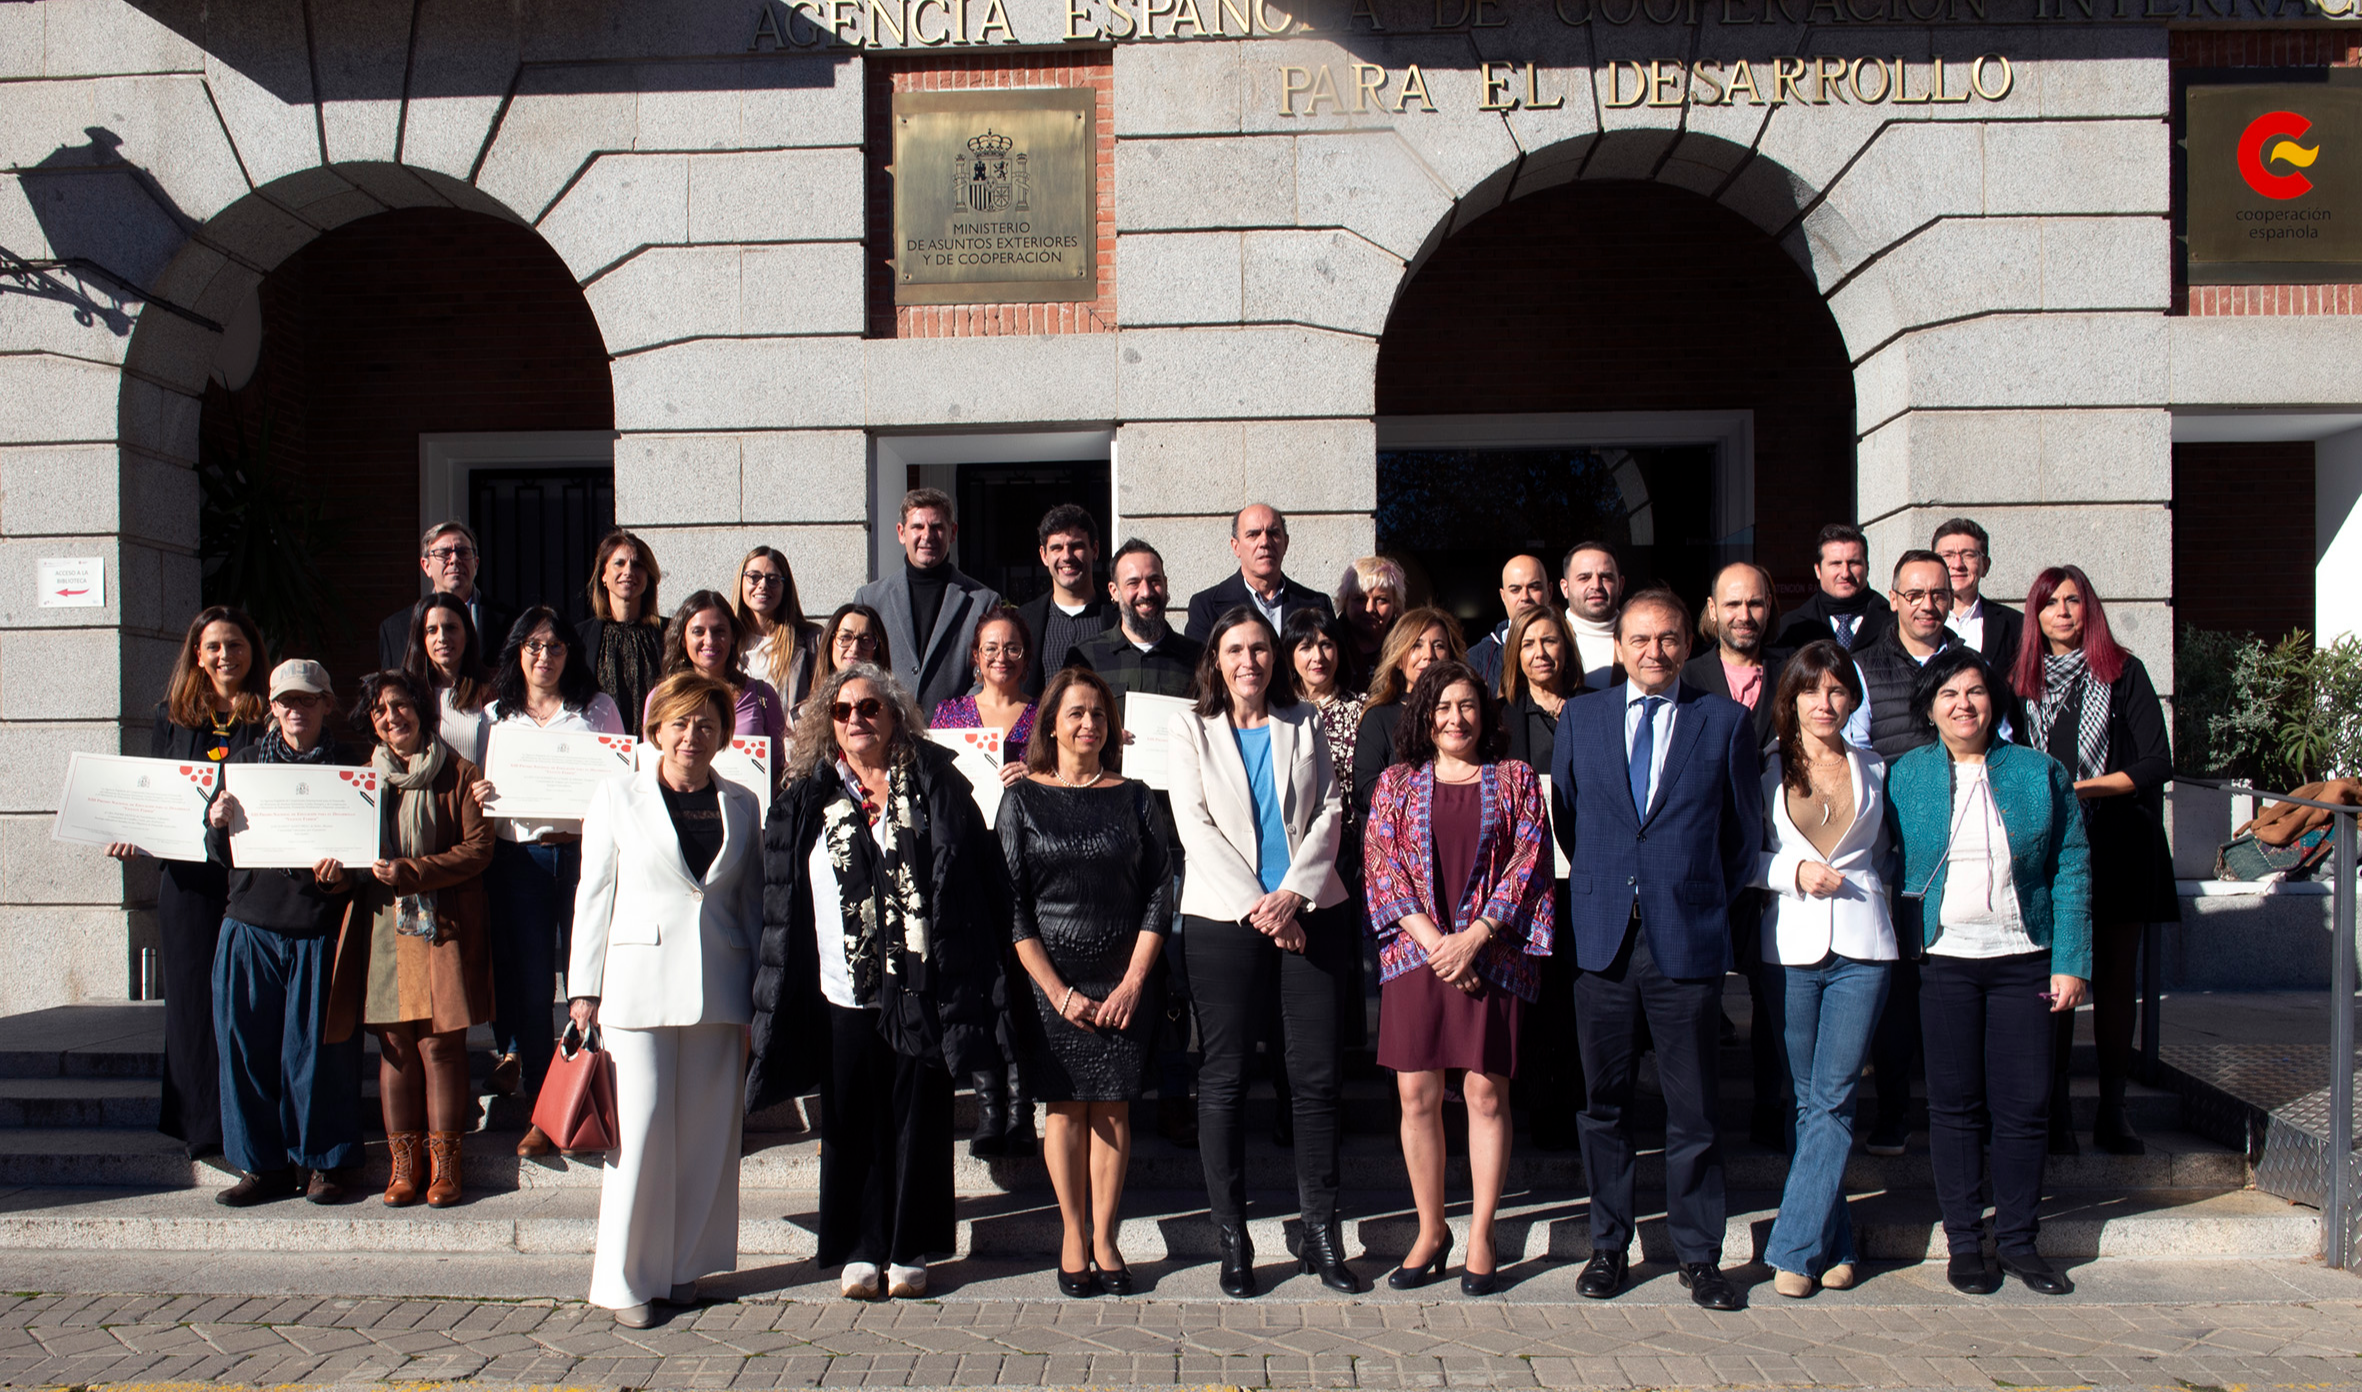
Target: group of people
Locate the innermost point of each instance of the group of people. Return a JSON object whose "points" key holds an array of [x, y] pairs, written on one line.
{"points": [[1891, 815]]}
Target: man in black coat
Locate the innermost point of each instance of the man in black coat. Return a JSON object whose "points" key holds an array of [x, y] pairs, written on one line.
{"points": [[1738, 615], [1075, 609], [448, 557], [1844, 607], [1259, 538], [1989, 626]]}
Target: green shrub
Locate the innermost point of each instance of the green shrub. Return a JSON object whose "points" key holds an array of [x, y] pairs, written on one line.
{"points": [[2275, 715]]}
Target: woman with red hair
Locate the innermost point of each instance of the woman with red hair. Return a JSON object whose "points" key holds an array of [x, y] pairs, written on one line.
{"points": [[2090, 705]]}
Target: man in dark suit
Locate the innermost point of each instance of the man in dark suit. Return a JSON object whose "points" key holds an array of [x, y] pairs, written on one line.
{"points": [[1844, 607], [1259, 538], [1075, 609], [1989, 626], [1660, 786], [928, 595], [448, 557]]}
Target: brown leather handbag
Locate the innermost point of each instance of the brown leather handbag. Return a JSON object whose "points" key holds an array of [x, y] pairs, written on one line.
{"points": [[576, 1109]]}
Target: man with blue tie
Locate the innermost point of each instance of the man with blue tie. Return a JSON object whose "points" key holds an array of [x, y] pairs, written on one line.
{"points": [[1662, 789]]}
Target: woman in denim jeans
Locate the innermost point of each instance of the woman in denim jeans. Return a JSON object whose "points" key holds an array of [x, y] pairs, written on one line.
{"points": [[1829, 934], [544, 680]]}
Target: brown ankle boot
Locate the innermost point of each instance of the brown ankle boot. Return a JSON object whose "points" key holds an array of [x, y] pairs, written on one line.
{"points": [[409, 1151], [443, 1148]]}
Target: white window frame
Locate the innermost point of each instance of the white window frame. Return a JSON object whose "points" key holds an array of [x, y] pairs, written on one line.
{"points": [[446, 460], [892, 456]]}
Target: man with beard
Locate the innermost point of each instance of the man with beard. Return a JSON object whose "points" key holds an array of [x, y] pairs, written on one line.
{"points": [[1844, 607], [1075, 608], [1594, 587], [1525, 584]]}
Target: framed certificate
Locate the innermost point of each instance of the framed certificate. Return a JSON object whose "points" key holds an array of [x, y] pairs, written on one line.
{"points": [[550, 774], [157, 805], [977, 755], [293, 816], [1149, 721]]}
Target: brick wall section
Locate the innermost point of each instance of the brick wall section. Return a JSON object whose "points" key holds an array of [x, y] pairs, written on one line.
{"points": [[2263, 48], [2243, 537], [414, 322], [1616, 296], [1094, 69]]}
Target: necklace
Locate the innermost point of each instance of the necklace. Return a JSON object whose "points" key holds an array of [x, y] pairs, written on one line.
{"points": [[1096, 775]]}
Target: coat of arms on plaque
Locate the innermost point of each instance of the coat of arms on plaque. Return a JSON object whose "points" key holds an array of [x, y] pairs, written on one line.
{"points": [[990, 176]]}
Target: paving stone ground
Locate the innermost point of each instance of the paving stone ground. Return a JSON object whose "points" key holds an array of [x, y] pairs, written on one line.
{"points": [[2191, 1327]]}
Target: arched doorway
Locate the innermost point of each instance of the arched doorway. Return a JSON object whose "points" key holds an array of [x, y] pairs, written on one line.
{"points": [[381, 343], [1611, 360]]}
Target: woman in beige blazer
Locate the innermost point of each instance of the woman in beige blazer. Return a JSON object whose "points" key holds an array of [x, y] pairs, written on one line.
{"points": [[1256, 803], [665, 925]]}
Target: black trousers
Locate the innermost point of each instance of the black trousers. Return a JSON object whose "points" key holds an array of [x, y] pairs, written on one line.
{"points": [[1895, 1043], [1684, 1017], [1549, 1054], [190, 899], [885, 1150], [1988, 1037], [1233, 971]]}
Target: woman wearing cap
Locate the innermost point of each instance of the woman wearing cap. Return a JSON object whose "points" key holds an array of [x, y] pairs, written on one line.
{"points": [[623, 639], [414, 966], [665, 926], [291, 1101], [213, 707]]}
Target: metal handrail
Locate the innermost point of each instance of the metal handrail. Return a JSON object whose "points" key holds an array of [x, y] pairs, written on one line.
{"points": [[2337, 1217]]}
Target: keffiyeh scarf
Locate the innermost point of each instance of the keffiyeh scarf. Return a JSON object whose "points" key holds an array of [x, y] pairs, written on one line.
{"points": [[883, 908], [2067, 680]]}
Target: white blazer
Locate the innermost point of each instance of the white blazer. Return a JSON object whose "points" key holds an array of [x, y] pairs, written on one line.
{"points": [[1215, 816], [658, 947], [1857, 921]]}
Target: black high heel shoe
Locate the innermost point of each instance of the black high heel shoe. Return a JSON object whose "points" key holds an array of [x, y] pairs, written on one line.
{"points": [[1117, 1281], [1480, 1282], [1322, 1251], [1411, 1278], [1079, 1285]]}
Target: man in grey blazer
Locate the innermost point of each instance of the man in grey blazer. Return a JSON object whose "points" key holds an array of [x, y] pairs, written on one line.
{"points": [[929, 596]]}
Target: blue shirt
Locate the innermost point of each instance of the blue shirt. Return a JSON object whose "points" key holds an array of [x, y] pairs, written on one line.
{"points": [[1271, 834]]}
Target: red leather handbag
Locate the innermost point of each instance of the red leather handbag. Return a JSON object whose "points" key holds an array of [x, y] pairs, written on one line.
{"points": [[576, 1109]]}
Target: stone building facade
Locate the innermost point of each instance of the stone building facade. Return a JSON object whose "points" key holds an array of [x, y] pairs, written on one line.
{"points": [[1974, 200]]}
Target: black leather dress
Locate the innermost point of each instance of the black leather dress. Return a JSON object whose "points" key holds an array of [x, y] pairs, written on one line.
{"points": [[1091, 872]]}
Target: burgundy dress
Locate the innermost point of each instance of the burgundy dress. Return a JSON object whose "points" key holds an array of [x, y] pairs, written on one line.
{"points": [[1423, 1023]]}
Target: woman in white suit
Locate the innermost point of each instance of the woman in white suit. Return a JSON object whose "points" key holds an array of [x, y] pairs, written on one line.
{"points": [[665, 925], [1830, 849], [1256, 804]]}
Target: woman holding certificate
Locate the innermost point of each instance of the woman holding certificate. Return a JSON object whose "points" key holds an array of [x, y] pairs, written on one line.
{"points": [[623, 639], [213, 707], [544, 683], [665, 925], [703, 638], [885, 919], [414, 965], [446, 657], [289, 1096]]}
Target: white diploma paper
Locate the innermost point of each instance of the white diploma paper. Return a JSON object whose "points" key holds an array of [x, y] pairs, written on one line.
{"points": [[550, 774], [293, 816], [977, 755], [745, 761], [157, 805], [1149, 721]]}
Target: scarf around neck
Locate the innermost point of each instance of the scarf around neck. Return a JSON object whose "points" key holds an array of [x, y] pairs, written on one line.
{"points": [[274, 749], [413, 782], [881, 904], [2067, 680]]}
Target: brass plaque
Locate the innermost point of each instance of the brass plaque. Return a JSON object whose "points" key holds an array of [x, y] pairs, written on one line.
{"points": [[2274, 183], [996, 196]]}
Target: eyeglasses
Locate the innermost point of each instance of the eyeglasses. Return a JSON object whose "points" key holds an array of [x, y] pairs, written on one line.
{"points": [[1001, 650], [756, 579], [538, 649], [857, 640], [1967, 553], [448, 554], [1923, 596], [868, 708]]}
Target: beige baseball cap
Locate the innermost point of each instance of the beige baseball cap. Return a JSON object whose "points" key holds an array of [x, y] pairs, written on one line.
{"points": [[300, 674]]}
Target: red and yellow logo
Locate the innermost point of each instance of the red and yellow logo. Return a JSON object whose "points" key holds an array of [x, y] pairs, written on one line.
{"points": [[2269, 139]]}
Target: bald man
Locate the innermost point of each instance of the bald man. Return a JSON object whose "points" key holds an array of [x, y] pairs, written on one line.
{"points": [[1259, 539], [1741, 615], [1525, 584]]}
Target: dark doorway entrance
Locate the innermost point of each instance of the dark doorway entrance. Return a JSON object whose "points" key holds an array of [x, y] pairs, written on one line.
{"points": [[1000, 510], [1451, 516], [538, 527]]}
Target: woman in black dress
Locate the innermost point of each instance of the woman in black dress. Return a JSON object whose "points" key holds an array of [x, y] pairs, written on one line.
{"points": [[1093, 889], [214, 706], [2090, 705], [623, 639]]}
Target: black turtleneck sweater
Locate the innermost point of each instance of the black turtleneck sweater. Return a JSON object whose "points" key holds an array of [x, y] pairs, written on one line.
{"points": [[926, 599]]}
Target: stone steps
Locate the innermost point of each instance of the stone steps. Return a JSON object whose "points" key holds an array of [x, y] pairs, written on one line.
{"points": [[1161, 1225]]}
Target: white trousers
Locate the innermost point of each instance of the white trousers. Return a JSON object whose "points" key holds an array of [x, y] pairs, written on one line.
{"points": [[668, 1206]]}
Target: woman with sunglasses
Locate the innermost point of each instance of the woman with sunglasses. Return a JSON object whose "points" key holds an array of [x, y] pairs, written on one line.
{"points": [[542, 682], [782, 646], [885, 919]]}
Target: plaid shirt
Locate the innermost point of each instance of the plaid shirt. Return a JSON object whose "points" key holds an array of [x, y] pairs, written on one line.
{"points": [[1167, 669]]}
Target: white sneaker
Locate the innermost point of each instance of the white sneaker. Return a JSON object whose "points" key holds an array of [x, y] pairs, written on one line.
{"points": [[906, 1282], [858, 1281]]}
